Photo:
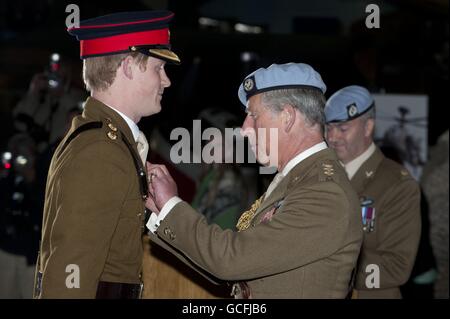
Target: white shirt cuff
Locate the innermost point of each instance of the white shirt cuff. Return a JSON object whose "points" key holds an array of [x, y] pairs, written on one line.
{"points": [[154, 220]]}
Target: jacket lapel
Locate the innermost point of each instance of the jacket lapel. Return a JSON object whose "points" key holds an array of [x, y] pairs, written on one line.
{"points": [[277, 194], [294, 176], [367, 171]]}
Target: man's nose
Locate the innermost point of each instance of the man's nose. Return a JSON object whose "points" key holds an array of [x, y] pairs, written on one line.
{"points": [[330, 135], [247, 127], [165, 81]]}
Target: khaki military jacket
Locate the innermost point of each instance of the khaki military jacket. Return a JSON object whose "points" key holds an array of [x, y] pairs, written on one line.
{"points": [[393, 241], [94, 212], [302, 243]]}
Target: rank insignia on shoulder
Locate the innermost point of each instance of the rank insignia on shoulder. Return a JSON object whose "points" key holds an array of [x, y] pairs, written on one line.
{"points": [[328, 169], [368, 214], [404, 172]]}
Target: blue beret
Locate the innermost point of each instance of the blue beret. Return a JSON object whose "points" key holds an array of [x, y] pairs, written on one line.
{"points": [[348, 103], [140, 31], [280, 76]]}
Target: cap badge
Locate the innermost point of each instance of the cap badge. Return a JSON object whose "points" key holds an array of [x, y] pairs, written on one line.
{"points": [[249, 84], [352, 110]]}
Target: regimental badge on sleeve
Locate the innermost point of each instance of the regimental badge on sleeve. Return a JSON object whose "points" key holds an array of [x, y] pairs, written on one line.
{"points": [[368, 214]]}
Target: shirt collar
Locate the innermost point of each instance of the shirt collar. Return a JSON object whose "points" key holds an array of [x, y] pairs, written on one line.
{"points": [[133, 126], [302, 156], [352, 167]]}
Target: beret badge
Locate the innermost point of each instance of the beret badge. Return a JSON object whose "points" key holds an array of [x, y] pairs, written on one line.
{"points": [[352, 110], [249, 84]]}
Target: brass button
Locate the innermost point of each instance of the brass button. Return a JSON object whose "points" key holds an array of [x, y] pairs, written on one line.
{"points": [[112, 127], [112, 135]]}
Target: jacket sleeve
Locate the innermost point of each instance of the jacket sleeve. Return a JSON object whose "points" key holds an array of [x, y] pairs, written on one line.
{"points": [[90, 192], [155, 239], [310, 225], [398, 236]]}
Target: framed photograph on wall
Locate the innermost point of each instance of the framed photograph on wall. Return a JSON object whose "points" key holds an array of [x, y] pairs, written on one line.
{"points": [[402, 129]]}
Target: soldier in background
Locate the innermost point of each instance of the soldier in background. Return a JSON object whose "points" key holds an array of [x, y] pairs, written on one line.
{"points": [[389, 196], [43, 111], [435, 185], [222, 192]]}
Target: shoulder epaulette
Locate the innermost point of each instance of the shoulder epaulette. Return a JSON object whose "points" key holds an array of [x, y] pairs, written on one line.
{"points": [[326, 171]]}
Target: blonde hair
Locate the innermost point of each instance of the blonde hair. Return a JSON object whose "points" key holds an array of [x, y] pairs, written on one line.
{"points": [[99, 72]]}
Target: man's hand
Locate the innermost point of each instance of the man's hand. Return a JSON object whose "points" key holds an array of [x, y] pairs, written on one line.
{"points": [[162, 187]]}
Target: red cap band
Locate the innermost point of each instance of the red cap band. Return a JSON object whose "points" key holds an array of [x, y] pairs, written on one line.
{"points": [[123, 42]]}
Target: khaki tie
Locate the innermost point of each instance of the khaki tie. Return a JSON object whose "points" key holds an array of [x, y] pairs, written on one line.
{"points": [[276, 180], [142, 147]]}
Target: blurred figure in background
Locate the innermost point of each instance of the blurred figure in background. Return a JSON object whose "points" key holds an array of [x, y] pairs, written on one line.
{"points": [[43, 111], [221, 193], [21, 204], [435, 186], [389, 196], [423, 275]]}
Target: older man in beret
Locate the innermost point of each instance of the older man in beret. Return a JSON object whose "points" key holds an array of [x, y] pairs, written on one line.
{"points": [[390, 197], [301, 239], [94, 204]]}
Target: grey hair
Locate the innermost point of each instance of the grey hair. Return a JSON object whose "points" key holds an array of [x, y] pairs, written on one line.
{"points": [[309, 102]]}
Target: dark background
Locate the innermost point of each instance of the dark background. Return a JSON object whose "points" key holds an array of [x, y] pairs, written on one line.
{"points": [[408, 54]]}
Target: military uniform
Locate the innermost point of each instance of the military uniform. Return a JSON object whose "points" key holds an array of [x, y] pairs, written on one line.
{"points": [[94, 211], [391, 236], [302, 241], [94, 207], [390, 203]]}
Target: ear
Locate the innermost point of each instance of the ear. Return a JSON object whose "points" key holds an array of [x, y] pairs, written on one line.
{"points": [[369, 127], [127, 67], [288, 116]]}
